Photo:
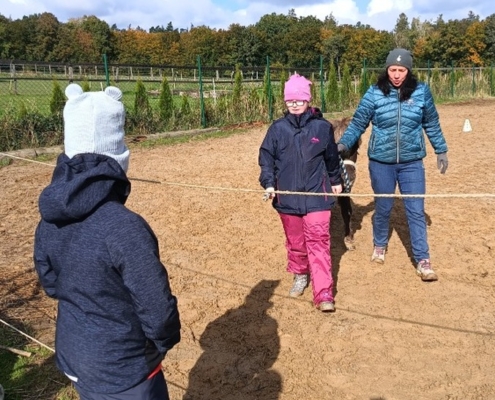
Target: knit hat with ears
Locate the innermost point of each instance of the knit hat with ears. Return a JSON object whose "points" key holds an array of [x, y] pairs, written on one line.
{"points": [[94, 123], [400, 57], [297, 88]]}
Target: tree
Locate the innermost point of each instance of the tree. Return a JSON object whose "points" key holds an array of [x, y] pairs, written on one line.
{"points": [[141, 101], [237, 92], [21, 38], [57, 101], [273, 29], [100, 37], [346, 92], [332, 93], [46, 37], [402, 32], [489, 53], [199, 41], [304, 39], [166, 102], [283, 78]]}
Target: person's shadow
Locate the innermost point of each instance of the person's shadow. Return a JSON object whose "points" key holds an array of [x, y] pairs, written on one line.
{"points": [[239, 348], [338, 247]]}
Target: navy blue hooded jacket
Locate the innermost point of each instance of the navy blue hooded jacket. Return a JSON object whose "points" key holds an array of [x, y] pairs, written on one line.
{"points": [[299, 154], [117, 317]]}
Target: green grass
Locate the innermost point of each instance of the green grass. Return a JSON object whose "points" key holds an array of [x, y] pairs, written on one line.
{"points": [[37, 93], [34, 377]]}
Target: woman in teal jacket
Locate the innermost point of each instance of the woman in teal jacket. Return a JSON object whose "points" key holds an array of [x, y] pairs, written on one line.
{"points": [[400, 109]]}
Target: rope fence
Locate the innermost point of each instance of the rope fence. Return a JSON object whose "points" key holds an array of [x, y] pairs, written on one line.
{"points": [[282, 192]]}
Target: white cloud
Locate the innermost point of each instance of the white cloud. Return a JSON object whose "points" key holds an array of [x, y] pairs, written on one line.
{"points": [[380, 14], [387, 6]]}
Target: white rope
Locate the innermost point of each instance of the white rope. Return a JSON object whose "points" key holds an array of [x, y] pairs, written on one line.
{"points": [[26, 159], [226, 189], [458, 195], [26, 335]]}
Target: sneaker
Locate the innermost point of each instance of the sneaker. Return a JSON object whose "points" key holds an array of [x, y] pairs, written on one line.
{"points": [[378, 254], [300, 283], [326, 306], [425, 271]]}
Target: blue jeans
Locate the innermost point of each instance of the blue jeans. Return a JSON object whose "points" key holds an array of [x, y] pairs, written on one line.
{"points": [[411, 179]]}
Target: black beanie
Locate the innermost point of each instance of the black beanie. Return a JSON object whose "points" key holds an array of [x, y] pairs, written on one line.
{"points": [[401, 57]]}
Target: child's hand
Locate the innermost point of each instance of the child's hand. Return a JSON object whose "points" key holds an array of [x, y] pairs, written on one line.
{"points": [[269, 194], [337, 189]]}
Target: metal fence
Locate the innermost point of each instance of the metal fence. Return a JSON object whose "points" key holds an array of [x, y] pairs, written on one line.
{"points": [[30, 84]]}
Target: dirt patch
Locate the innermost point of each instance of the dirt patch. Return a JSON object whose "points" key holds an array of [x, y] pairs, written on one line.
{"points": [[392, 336]]}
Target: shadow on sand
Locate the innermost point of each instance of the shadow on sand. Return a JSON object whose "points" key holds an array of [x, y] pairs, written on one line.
{"points": [[239, 348]]}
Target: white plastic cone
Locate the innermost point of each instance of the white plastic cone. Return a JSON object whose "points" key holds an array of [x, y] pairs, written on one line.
{"points": [[467, 126]]}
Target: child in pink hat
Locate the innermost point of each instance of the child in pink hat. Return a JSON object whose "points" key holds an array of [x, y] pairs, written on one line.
{"points": [[299, 154]]}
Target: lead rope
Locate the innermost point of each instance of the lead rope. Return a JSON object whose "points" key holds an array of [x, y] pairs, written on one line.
{"points": [[347, 181]]}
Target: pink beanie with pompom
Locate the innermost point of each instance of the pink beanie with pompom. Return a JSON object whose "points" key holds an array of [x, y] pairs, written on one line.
{"points": [[297, 88]]}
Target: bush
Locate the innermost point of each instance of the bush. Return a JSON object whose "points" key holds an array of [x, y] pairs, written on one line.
{"points": [[166, 102], [28, 128], [332, 95], [57, 101]]}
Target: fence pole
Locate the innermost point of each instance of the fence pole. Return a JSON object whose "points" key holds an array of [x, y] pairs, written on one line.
{"points": [[322, 88], [429, 72], [13, 78], [491, 79], [452, 79], [105, 62], [473, 86], [364, 86], [201, 99]]}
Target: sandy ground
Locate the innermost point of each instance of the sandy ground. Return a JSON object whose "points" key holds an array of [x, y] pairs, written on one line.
{"points": [[392, 336]]}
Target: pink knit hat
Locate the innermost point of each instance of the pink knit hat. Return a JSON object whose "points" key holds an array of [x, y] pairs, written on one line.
{"points": [[297, 88]]}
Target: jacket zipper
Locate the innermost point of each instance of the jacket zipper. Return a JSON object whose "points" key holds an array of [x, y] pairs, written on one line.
{"points": [[398, 126]]}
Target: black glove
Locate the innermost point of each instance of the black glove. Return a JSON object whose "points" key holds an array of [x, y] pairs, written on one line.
{"points": [[442, 162], [341, 148]]}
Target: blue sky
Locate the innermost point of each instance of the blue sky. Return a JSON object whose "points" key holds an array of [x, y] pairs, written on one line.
{"points": [[380, 14]]}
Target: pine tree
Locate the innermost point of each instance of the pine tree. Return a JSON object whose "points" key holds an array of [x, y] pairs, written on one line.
{"points": [[185, 108], [283, 78], [332, 95], [141, 101], [85, 86], [166, 102], [57, 101], [346, 92], [236, 95]]}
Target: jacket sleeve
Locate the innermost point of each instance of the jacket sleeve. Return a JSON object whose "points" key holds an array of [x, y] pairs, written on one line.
{"points": [[266, 160], [360, 120], [134, 251], [431, 123], [42, 265], [332, 160]]}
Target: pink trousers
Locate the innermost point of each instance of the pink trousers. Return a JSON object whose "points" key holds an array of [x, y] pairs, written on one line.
{"points": [[308, 250]]}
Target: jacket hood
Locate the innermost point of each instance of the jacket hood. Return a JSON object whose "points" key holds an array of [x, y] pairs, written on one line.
{"points": [[80, 185]]}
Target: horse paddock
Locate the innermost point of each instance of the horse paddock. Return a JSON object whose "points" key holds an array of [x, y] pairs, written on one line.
{"points": [[392, 337]]}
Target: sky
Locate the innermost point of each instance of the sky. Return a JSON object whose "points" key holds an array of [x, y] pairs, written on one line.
{"points": [[219, 14]]}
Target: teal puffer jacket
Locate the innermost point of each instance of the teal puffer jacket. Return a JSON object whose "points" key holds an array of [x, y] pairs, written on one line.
{"points": [[397, 127]]}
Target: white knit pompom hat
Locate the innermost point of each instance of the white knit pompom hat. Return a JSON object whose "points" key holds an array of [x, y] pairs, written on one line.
{"points": [[94, 123]]}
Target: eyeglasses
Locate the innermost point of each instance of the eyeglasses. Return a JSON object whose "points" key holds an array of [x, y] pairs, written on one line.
{"points": [[295, 103]]}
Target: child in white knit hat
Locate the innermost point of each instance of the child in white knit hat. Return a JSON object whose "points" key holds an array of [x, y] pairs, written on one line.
{"points": [[117, 317], [94, 123]]}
